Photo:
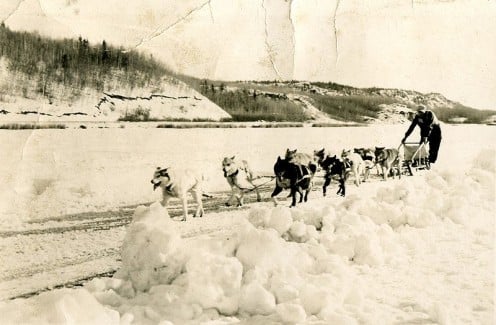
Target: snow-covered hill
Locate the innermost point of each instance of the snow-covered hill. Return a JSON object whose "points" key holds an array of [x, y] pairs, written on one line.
{"points": [[168, 98]]}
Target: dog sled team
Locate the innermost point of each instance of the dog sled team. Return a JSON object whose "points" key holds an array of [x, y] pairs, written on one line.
{"points": [[296, 170]]}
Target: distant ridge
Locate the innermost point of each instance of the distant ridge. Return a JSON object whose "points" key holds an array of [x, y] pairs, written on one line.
{"points": [[43, 79]]}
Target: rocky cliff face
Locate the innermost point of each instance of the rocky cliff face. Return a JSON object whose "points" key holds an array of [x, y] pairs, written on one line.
{"points": [[22, 100]]}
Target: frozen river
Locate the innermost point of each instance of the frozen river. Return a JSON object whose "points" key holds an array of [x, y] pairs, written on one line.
{"points": [[45, 173]]}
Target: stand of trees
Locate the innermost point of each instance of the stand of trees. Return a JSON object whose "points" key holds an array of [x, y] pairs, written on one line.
{"points": [[244, 105], [75, 62]]}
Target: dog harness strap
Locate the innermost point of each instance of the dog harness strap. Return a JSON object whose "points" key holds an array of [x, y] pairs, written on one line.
{"points": [[235, 183], [169, 187]]}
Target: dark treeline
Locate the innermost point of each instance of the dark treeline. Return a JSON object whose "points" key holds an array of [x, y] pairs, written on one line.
{"points": [[75, 62], [244, 105]]}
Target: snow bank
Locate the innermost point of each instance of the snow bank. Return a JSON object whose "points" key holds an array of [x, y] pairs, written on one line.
{"points": [[284, 265], [63, 306]]}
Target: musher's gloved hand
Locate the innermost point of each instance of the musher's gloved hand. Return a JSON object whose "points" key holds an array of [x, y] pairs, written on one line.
{"points": [[403, 140]]}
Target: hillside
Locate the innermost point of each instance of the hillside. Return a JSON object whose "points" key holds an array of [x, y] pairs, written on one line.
{"points": [[329, 102], [59, 80], [43, 79]]}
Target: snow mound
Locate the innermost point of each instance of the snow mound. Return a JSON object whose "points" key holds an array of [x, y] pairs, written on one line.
{"points": [[64, 306], [151, 250]]}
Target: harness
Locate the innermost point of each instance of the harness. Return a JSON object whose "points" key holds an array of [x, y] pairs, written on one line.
{"points": [[234, 174], [396, 159], [298, 180], [232, 180], [169, 186]]}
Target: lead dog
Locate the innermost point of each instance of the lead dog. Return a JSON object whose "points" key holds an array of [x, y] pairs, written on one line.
{"points": [[240, 177], [388, 159], [176, 184]]}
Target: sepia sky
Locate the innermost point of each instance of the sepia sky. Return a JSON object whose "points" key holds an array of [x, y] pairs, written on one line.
{"points": [[425, 45]]}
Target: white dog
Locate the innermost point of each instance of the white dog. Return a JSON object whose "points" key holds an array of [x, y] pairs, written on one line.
{"points": [[240, 177], [177, 184], [355, 162]]}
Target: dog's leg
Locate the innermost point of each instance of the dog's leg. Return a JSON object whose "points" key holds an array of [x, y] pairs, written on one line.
{"points": [[165, 201], [293, 194], [232, 197], [342, 187], [230, 200], [342, 183], [259, 198], [387, 173], [241, 197], [276, 191], [255, 188], [366, 173], [326, 183], [356, 173], [362, 172], [307, 190], [198, 198], [184, 201], [300, 191]]}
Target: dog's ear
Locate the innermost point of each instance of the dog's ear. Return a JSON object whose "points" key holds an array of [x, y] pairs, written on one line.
{"points": [[278, 158], [161, 171], [232, 158]]}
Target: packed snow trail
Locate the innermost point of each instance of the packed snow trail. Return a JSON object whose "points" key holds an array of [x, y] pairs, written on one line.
{"points": [[69, 250]]}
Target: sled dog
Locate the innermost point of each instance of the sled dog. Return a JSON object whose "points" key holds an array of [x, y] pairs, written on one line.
{"points": [[176, 184], [368, 157], [300, 158], [388, 159], [355, 163], [240, 178], [334, 168], [297, 178]]}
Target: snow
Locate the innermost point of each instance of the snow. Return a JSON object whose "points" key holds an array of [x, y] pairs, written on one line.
{"points": [[415, 250]]}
